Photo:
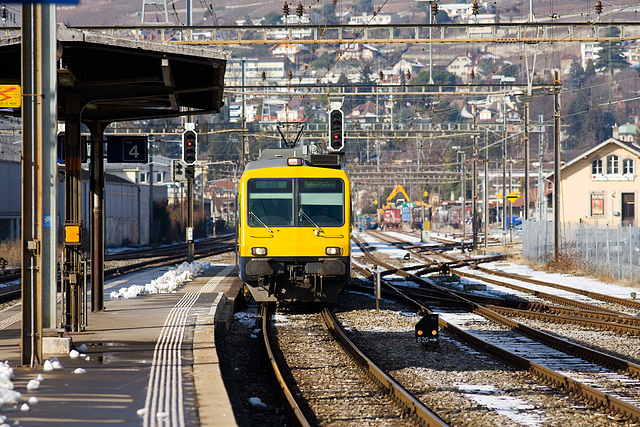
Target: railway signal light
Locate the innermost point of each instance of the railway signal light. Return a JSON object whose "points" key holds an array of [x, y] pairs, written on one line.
{"points": [[178, 171], [189, 172], [189, 146], [427, 329], [336, 130]]}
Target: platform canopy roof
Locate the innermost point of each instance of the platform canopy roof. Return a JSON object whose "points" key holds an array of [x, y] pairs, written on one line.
{"points": [[118, 79]]}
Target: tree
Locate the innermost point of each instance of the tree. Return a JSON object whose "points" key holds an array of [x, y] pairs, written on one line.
{"points": [[443, 112], [365, 6], [440, 77], [271, 18], [589, 70], [597, 127], [328, 11], [611, 55], [576, 75], [324, 61], [574, 114]]}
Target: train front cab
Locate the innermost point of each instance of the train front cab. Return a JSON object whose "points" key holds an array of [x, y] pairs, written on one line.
{"points": [[294, 233]]}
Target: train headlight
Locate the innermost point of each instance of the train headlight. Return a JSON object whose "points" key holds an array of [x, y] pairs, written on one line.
{"points": [[259, 251], [333, 250], [295, 161]]}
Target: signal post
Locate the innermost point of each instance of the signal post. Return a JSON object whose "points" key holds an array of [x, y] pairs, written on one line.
{"points": [[189, 156]]}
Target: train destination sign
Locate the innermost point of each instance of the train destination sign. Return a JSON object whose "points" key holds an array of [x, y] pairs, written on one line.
{"points": [[10, 96]]}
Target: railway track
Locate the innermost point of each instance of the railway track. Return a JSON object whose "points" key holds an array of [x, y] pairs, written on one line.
{"points": [[485, 276], [127, 262], [337, 383], [598, 377]]}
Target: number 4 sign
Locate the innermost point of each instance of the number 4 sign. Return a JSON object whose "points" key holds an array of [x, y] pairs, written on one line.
{"points": [[127, 149]]}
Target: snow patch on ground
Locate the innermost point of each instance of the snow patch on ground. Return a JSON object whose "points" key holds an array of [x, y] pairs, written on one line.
{"points": [[495, 399], [167, 283]]}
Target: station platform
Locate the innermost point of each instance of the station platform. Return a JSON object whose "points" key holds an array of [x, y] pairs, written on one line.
{"points": [[149, 360]]}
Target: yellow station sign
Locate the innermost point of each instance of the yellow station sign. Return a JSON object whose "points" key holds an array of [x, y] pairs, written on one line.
{"points": [[10, 96]]}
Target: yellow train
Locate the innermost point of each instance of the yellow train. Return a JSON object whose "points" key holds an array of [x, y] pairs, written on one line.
{"points": [[294, 225]]}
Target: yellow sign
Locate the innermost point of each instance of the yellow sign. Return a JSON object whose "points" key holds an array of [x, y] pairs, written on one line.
{"points": [[10, 96], [499, 196], [73, 234], [375, 202], [426, 193], [513, 196]]}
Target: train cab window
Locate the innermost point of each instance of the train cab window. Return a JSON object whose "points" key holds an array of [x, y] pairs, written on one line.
{"points": [[322, 200], [270, 202]]}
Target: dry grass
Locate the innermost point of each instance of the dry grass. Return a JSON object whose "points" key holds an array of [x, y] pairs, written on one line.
{"points": [[571, 262], [10, 251]]}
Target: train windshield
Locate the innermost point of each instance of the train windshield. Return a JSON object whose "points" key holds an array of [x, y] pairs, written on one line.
{"points": [[270, 202], [322, 200]]}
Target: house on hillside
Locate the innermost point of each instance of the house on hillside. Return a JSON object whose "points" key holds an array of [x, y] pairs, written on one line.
{"points": [[367, 19], [296, 53], [413, 67], [359, 51], [366, 113], [601, 185]]}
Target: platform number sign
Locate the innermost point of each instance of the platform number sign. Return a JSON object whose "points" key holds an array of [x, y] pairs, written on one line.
{"points": [[127, 149], [61, 148]]}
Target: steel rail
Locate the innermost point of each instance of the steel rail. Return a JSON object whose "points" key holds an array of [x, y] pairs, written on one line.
{"points": [[13, 292], [590, 294], [413, 405], [568, 319], [292, 404], [589, 393], [623, 319], [551, 297]]}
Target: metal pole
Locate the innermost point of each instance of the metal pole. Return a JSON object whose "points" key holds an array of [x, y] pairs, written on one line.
{"points": [[475, 179], [486, 189], [31, 333], [245, 150], [525, 212], [97, 218], [150, 239], [49, 165], [541, 183], [510, 203], [430, 45], [190, 244], [556, 174], [464, 198], [504, 172], [73, 212]]}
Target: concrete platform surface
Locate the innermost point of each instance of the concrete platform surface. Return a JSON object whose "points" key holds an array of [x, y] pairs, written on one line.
{"points": [[148, 361]]}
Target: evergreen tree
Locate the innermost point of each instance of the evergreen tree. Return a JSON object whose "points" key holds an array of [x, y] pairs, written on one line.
{"points": [[365, 6], [589, 70], [576, 75], [574, 113], [611, 57], [597, 127], [271, 18]]}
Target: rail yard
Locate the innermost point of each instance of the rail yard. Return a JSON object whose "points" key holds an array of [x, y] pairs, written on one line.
{"points": [[511, 349], [333, 213]]}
